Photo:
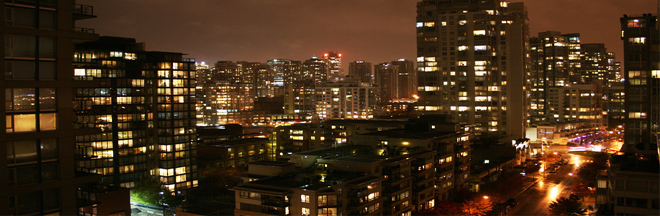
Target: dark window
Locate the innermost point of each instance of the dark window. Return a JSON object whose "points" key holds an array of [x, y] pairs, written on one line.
{"points": [[47, 19], [28, 203], [46, 70]]}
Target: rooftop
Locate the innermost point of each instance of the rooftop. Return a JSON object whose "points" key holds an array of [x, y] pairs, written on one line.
{"points": [[635, 164], [308, 181], [408, 134]]}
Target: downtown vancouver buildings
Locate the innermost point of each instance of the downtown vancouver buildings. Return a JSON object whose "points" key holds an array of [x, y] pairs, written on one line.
{"points": [[89, 117], [570, 81]]}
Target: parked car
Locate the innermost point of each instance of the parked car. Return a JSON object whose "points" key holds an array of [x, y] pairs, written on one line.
{"points": [[511, 202]]}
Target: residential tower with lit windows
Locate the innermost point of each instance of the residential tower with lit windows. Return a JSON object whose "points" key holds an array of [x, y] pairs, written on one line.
{"points": [[144, 105], [472, 63]]}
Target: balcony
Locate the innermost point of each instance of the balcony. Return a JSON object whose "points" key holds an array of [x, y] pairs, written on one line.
{"points": [[84, 30], [81, 12]]}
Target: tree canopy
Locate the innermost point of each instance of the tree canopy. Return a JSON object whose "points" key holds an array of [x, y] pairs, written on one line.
{"points": [[566, 207]]}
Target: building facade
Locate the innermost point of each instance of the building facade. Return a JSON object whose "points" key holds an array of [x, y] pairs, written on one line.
{"points": [[561, 64], [472, 63], [332, 61], [642, 82], [143, 104], [632, 183], [347, 99], [555, 59], [361, 70], [39, 176]]}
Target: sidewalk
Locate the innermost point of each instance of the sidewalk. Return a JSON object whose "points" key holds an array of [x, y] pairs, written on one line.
{"points": [[526, 185]]}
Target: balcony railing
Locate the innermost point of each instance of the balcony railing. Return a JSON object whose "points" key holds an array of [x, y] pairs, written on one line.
{"points": [[81, 12], [85, 10], [85, 30]]}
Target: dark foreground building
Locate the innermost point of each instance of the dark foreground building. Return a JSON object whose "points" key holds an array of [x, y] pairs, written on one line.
{"points": [[39, 177]]}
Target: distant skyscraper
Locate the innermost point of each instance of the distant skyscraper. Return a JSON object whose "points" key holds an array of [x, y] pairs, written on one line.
{"points": [[283, 71], [144, 107], [361, 70], [346, 99], [562, 65], [471, 63], [555, 58], [315, 68], [257, 77], [407, 80], [642, 83], [386, 81], [333, 61], [597, 65], [300, 84]]}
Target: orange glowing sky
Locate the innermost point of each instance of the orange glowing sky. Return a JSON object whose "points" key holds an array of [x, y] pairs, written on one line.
{"points": [[371, 30]]}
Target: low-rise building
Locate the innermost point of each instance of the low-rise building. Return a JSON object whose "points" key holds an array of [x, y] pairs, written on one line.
{"points": [[632, 186], [232, 153], [334, 193]]}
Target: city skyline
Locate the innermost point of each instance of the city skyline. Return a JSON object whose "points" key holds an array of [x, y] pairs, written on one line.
{"points": [[217, 30]]}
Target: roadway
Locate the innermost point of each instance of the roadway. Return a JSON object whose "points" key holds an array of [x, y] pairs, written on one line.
{"points": [[550, 186]]}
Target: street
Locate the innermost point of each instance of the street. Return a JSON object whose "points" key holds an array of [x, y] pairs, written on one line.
{"points": [[550, 186]]}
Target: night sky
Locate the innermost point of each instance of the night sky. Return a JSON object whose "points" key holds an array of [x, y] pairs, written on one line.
{"points": [[372, 30]]}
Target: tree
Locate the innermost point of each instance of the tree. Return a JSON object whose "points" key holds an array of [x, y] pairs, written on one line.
{"points": [[463, 194], [147, 191], [566, 207], [580, 189], [508, 186], [448, 208], [587, 174], [478, 206]]}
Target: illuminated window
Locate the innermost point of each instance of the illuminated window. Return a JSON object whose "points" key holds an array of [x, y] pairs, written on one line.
{"points": [[480, 48], [637, 40], [116, 54], [462, 48], [420, 24], [304, 198], [479, 32], [655, 74], [47, 121], [130, 56], [637, 115], [429, 24]]}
